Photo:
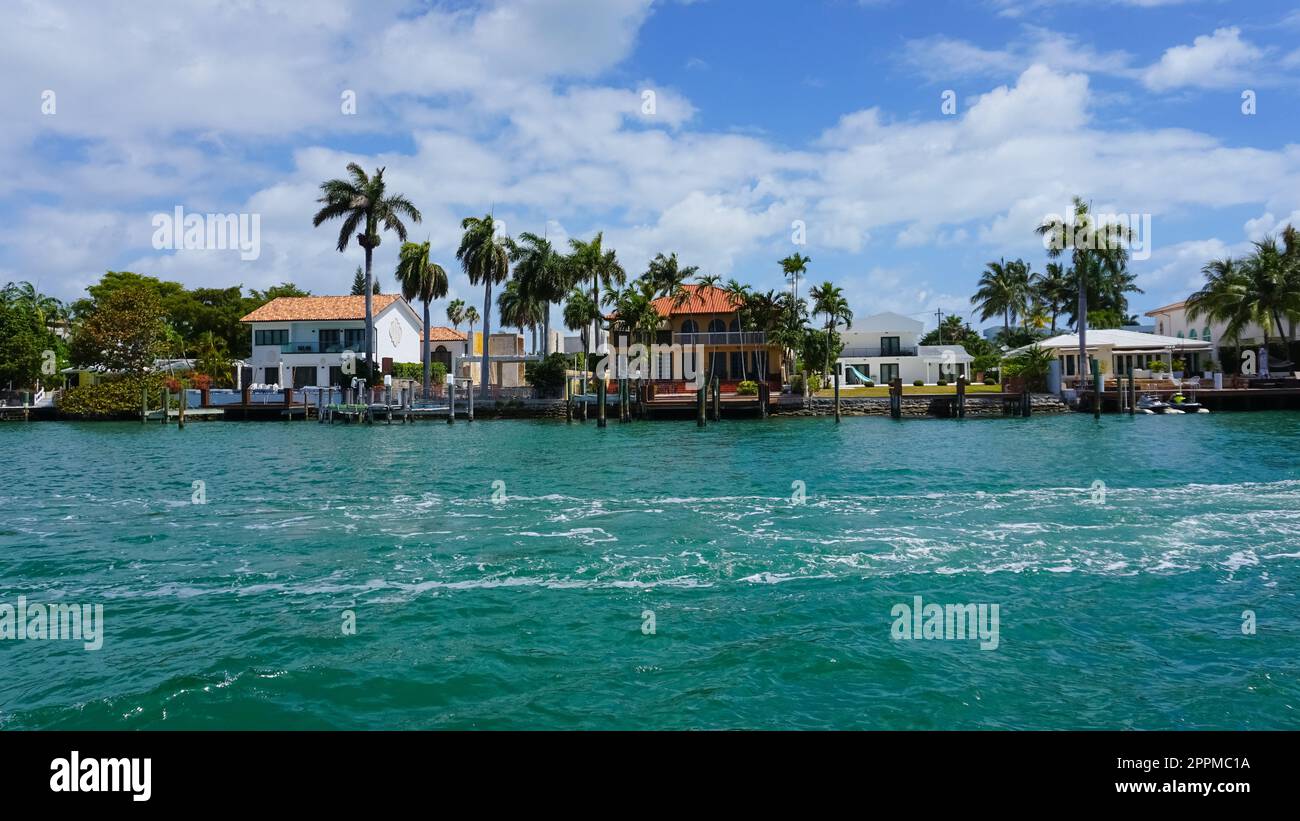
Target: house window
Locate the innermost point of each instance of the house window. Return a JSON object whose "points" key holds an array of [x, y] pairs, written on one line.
{"points": [[889, 346], [1205, 335], [1191, 334], [331, 340], [1069, 365], [304, 376], [280, 337], [690, 327], [354, 339], [717, 326], [272, 376], [336, 376], [888, 372]]}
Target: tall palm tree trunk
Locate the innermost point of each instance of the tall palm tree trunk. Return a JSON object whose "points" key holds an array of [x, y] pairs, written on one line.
{"points": [[487, 332], [546, 331], [1083, 327], [370, 313], [427, 350]]}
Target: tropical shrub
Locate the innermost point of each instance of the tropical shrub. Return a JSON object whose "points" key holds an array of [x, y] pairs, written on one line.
{"points": [[1030, 366], [118, 397], [918, 383], [814, 382], [1159, 366], [988, 380], [943, 383], [547, 376], [747, 388], [408, 370]]}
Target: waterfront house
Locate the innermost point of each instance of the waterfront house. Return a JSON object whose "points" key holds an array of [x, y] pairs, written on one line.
{"points": [[1123, 351], [301, 341], [705, 324], [1172, 320], [446, 345], [886, 346]]}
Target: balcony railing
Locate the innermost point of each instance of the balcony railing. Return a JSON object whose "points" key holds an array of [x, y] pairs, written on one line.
{"points": [[722, 338], [878, 352], [313, 346]]}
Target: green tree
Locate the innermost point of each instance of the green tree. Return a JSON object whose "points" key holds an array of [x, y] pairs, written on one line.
{"points": [[359, 284], [580, 314], [829, 301], [1003, 290], [1262, 289], [125, 332], [366, 207], [23, 342], [543, 277], [1096, 249], [793, 267], [426, 281], [485, 258], [456, 313], [590, 261]]}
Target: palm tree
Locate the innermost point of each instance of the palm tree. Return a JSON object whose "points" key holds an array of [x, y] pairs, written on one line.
{"points": [[456, 313], [1094, 246], [48, 310], [580, 314], [668, 278], [829, 301], [1262, 289], [425, 281], [485, 258], [590, 261], [1053, 290], [708, 280], [794, 266], [542, 275], [739, 295], [519, 308], [1003, 289], [363, 202]]}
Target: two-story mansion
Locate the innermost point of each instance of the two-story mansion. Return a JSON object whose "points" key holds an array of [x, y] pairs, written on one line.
{"points": [[300, 341], [707, 317], [883, 347]]}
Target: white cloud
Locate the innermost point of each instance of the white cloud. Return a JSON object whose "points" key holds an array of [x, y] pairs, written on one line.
{"points": [[1219, 60]]}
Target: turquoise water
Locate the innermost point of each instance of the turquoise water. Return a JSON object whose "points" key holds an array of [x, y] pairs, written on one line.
{"points": [[528, 611]]}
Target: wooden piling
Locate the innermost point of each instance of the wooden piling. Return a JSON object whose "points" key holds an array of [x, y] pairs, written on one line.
{"points": [[166, 404], [180, 408], [1096, 388], [144, 404], [896, 398], [961, 397], [622, 401], [568, 400], [699, 410], [451, 402], [471, 400], [836, 377], [601, 389]]}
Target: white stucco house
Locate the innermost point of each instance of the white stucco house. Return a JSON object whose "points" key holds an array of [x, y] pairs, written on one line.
{"points": [[885, 346], [1172, 320], [300, 341], [1123, 351]]}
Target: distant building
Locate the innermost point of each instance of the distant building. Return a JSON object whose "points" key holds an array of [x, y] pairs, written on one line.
{"points": [[1121, 351], [885, 346], [1172, 320]]}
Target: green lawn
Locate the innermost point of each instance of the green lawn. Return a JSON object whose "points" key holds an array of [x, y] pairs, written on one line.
{"points": [[847, 392]]}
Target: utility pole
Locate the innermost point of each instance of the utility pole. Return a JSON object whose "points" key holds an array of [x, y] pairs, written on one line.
{"points": [[939, 316]]}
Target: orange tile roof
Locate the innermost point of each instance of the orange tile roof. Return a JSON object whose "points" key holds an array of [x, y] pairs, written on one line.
{"points": [[333, 308], [441, 333], [701, 299]]}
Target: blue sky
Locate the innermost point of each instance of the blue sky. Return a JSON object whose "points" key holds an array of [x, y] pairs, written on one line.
{"points": [[822, 111]]}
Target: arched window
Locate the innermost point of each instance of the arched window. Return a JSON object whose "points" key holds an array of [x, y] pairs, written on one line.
{"points": [[1205, 334], [1191, 334], [717, 326], [1180, 334], [735, 325], [689, 327]]}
